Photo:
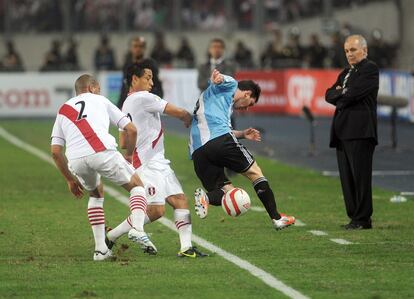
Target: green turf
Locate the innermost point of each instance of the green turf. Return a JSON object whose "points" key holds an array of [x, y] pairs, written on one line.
{"points": [[46, 241]]}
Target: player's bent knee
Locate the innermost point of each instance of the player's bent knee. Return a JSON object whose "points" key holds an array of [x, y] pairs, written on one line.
{"points": [[253, 173], [178, 201], [134, 182]]}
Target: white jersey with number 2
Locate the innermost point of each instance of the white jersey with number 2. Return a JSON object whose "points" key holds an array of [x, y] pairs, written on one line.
{"points": [[82, 124]]}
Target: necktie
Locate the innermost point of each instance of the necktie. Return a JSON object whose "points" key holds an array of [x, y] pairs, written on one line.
{"points": [[347, 77]]}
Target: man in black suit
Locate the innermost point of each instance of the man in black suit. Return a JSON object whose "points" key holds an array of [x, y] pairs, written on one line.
{"points": [[354, 130], [136, 52]]}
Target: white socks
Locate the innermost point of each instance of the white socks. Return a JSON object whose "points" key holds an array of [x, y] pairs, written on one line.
{"points": [[96, 218], [138, 207], [182, 219]]}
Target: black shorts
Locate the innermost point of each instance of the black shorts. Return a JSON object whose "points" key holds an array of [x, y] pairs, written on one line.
{"points": [[222, 152]]}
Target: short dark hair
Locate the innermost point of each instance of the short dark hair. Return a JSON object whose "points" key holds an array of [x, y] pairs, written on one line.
{"points": [[83, 82], [139, 39], [252, 86], [218, 40], [137, 69]]}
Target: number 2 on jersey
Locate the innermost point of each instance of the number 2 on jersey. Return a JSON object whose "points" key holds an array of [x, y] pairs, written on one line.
{"points": [[81, 115]]}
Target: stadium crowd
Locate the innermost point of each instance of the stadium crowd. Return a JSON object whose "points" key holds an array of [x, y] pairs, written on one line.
{"points": [[280, 52], [110, 15]]}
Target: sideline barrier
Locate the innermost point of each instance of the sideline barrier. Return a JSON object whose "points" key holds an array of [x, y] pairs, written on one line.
{"points": [[283, 92], [287, 91]]}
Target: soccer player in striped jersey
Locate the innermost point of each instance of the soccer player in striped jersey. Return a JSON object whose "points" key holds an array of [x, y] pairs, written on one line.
{"points": [[161, 184], [214, 146], [82, 125]]}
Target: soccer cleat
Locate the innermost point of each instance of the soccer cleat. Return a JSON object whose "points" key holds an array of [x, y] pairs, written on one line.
{"points": [[200, 203], [283, 222], [108, 242], [100, 256], [191, 252], [142, 239]]}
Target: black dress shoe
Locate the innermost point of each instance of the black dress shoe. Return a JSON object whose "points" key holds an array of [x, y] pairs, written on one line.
{"points": [[354, 226], [345, 225]]}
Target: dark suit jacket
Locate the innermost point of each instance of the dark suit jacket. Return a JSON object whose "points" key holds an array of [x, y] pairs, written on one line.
{"points": [[226, 67], [156, 88], [356, 106]]}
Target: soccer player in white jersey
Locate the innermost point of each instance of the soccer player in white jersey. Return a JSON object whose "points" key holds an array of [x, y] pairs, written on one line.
{"points": [[82, 125], [214, 146], [161, 184]]}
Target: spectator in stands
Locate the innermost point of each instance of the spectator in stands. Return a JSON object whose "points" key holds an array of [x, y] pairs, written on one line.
{"points": [[244, 13], [274, 53], [53, 58], [316, 53], [336, 55], [185, 55], [104, 56], [243, 56], [11, 62], [294, 52], [136, 53], [160, 52], [379, 51], [71, 57], [216, 60]]}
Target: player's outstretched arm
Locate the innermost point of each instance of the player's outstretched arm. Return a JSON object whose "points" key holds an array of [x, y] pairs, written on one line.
{"points": [[74, 185], [179, 113], [250, 133]]}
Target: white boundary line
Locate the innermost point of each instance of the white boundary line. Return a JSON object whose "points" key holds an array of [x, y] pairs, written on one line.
{"points": [[313, 232], [318, 233], [341, 241], [264, 276], [375, 173]]}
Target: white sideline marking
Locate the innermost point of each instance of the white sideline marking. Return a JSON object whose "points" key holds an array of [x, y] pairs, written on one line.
{"points": [[341, 241], [260, 209], [299, 223], [376, 173], [318, 233], [264, 276]]}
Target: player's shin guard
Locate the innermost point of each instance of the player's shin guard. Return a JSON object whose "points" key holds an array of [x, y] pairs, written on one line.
{"points": [[182, 220], [266, 196], [215, 196], [138, 207], [96, 218]]}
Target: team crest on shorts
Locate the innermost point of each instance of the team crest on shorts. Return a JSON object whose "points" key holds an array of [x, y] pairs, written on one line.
{"points": [[151, 191]]}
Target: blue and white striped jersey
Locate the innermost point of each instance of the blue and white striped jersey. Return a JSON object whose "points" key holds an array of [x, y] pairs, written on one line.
{"points": [[211, 117]]}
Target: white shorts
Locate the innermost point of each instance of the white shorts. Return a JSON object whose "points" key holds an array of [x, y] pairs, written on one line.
{"points": [[160, 182], [109, 164]]}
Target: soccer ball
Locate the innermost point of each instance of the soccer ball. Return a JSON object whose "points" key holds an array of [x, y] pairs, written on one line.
{"points": [[235, 202]]}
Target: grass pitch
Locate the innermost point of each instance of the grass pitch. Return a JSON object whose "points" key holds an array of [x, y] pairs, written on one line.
{"points": [[47, 245]]}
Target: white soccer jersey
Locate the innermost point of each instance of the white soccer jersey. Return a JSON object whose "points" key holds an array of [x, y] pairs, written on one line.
{"points": [[82, 123], [144, 109]]}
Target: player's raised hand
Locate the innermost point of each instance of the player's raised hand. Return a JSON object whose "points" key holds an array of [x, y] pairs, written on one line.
{"points": [[252, 134], [75, 188], [216, 77]]}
